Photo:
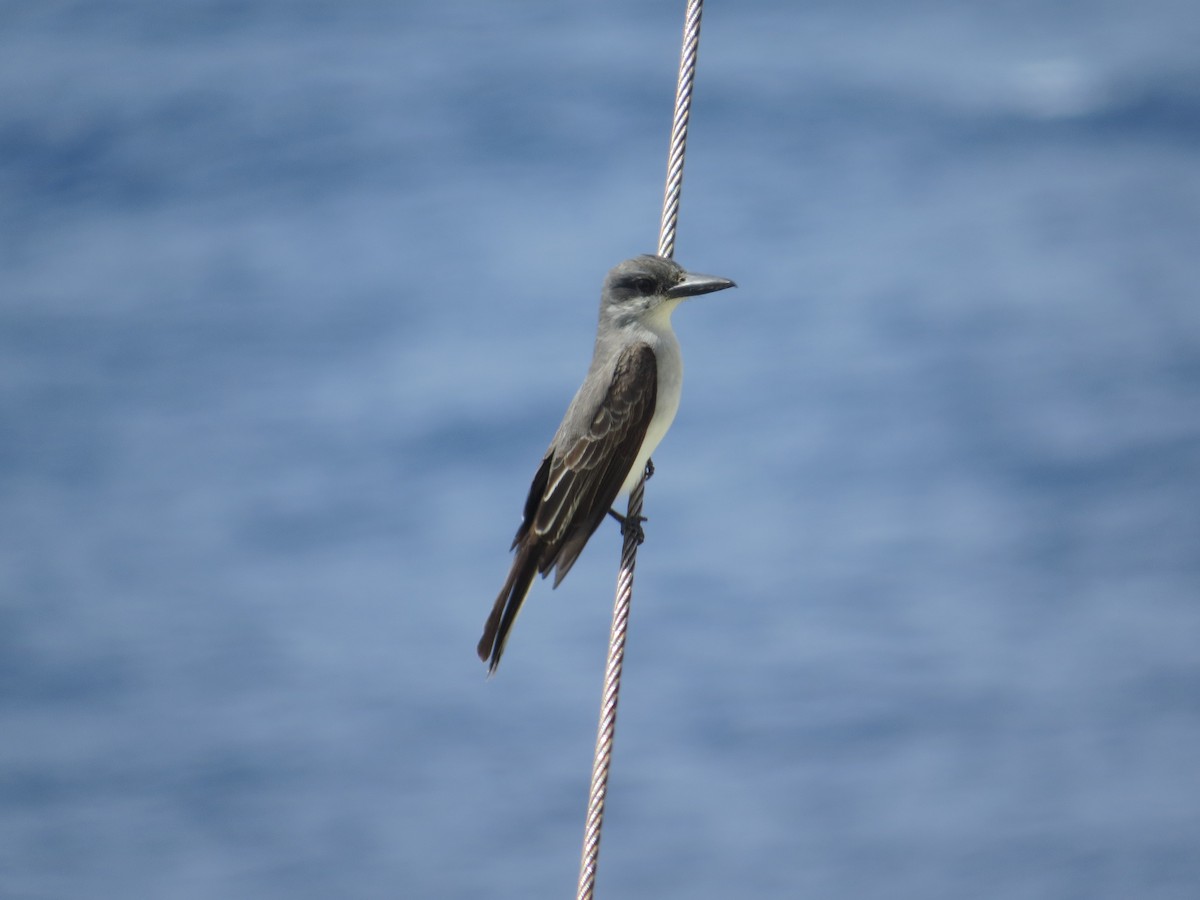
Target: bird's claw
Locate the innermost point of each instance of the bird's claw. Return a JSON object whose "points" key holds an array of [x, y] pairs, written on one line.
{"points": [[630, 526]]}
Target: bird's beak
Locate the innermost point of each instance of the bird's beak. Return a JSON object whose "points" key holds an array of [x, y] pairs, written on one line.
{"points": [[694, 284]]}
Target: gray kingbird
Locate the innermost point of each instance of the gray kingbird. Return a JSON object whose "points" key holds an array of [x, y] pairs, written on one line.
{"points": [[620, 413]]}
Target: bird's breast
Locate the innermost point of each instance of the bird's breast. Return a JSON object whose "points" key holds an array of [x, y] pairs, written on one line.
{"points": [[669, 364]]}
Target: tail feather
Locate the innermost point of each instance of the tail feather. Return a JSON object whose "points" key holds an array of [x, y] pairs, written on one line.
{"points": [[508, 604]]}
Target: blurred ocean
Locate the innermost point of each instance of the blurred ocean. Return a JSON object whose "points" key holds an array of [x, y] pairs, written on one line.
{"points": [[918, 615]]}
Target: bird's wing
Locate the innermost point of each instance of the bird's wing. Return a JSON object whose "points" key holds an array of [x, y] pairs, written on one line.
{"points": [[574, 489], [584, 479]]}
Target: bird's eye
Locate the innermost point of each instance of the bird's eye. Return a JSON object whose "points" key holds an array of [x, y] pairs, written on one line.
{"points": [[644, 285]]}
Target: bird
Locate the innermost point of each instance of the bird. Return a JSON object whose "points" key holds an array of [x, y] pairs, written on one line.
{"points": [[602, 447]]}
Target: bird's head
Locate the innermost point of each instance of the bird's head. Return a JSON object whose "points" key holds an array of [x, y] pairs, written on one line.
{"points": [[646, 287]]}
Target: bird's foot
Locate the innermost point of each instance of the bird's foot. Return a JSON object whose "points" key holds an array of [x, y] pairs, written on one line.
{"points": [[649, 468], [629, 525]]}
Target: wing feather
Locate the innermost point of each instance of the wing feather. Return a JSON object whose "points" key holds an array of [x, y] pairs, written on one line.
{"points": [[584, 480], [574, 489]]}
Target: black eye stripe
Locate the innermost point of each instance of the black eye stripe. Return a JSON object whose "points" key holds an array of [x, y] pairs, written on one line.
{"points": [[642, 285]]}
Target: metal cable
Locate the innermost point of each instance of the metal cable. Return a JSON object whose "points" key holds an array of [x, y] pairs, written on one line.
{"points": [[620, 622], [679, 127]]}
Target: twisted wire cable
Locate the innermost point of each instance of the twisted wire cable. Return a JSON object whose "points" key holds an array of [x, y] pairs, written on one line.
{"points": [[620, 622], [679, 127]]}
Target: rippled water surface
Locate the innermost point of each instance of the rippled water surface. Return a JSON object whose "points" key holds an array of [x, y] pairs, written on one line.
{"points": [[293, 294]]}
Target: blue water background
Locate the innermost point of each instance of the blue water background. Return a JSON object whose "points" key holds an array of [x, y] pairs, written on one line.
{"points": [[292, 296]]}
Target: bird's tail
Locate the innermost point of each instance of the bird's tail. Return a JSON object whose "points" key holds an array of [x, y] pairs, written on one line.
{"points": [[508, 604]]}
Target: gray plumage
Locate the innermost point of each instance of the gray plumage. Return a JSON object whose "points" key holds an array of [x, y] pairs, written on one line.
{"points": [[620, 413]]}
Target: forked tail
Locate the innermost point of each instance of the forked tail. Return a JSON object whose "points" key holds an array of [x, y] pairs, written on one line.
{"points": [[508, 604]]}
